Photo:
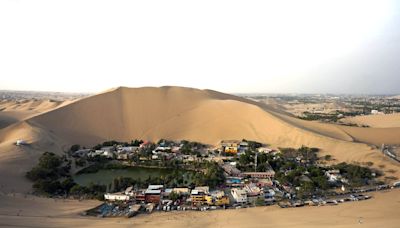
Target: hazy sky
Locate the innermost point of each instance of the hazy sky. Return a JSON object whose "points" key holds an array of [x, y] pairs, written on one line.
{"points": [[231, 46]]}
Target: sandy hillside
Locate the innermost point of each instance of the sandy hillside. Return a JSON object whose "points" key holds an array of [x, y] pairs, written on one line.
{"points": [[376, 121], [176, 113]]}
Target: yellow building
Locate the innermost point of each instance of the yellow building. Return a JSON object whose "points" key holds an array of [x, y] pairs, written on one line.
{"points": [[230, 146], [197, 197], [218, 201], [232, 150]]}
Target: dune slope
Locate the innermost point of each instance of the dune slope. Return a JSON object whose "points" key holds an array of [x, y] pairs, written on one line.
{"points": [[376, 121]]}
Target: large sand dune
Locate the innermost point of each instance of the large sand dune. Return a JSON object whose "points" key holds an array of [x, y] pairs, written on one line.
{"points": [[182, 113], [176, 113]]}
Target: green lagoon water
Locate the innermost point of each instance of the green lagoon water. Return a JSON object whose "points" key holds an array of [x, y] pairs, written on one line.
{"points": [[106, 176]]}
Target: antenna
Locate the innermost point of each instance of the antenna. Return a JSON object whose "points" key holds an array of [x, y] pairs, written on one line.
{"points": [[255, 162]]}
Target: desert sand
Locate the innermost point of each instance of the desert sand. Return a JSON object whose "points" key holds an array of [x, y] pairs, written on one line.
{"points": [[183, 113], [16, 111], [376, 121]]}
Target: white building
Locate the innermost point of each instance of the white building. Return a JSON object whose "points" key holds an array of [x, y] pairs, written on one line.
{"points": [[116, 197], [376, 112], [108, 154], [155, 187], [333, 175], [128, 149], [252, 190], [184, 191], [239, 195], [20, 142], [204, 189], [265, 150], [129, 191]]}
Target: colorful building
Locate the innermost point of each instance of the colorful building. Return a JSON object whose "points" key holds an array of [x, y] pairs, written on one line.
{"points": [[230, 146], [197, 196], [152, 196], [217, 201]]}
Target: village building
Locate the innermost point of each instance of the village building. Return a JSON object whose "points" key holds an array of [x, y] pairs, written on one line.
{"points": [[181, 191], [262, 175], [230, 146], [252, 190], [197, 196], [122, 156], [81, 153], [127, 149], [204, 189], [231, 170], [129, 191], [152, 196], [269, 196], [264, 183], [116, 197], [140, 196], [167, 192], [265, 150], [243, 147], [239, 195], [333, 175], [21, 142], [217, 198]]}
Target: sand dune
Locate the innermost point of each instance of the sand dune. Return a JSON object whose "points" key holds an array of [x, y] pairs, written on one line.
{"points": [[376, 121], [184, 113], [38, 106], [176, 113], [15, 111]]}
